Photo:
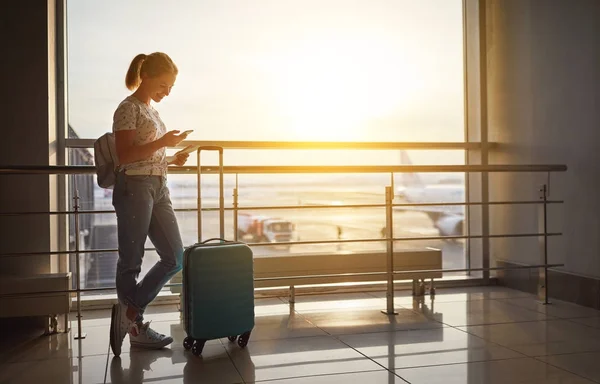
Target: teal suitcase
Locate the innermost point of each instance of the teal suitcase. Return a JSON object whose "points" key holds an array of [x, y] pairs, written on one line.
{"points": [[218, 285]]}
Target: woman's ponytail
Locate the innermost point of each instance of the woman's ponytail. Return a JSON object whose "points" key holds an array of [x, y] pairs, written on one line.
{"points": [[133, 79]]}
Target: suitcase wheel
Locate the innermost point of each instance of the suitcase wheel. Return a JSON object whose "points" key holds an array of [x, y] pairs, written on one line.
{"points": [[243, 340], [198, 347], [232, 338], [188, 343]]}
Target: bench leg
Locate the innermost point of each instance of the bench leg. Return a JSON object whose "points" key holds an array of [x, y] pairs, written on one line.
{"points": [[292, 298], [51, 325], [47, 330], [419, 287]]}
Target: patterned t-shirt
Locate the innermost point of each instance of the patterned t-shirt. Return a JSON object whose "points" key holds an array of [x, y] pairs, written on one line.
{"points": [[134, 114]]}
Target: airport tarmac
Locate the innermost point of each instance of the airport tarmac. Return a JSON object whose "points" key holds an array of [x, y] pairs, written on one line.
{"points": [[312, 222]]}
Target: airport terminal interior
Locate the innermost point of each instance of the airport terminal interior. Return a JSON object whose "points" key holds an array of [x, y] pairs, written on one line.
{"points": [[445, 232]]}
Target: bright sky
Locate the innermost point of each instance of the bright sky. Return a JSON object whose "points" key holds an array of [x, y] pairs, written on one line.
{"points": [[370, 70]]}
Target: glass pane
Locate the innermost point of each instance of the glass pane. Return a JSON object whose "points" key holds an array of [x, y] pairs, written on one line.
{"points": [[384, 70], [431, 216]]}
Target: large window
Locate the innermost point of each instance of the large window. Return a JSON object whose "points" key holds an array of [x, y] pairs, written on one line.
{"points": [[277, 70], [326, 70]]}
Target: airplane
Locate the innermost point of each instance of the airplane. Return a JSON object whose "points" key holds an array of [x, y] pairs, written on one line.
{"points": [[449, 219]]}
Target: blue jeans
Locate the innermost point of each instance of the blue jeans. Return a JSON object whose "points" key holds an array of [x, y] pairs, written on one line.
{"points": [[144, 209]]}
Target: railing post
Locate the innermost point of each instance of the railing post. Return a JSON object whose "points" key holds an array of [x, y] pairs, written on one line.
{"points": [[235, 213], [199, 197], [389, 225], [543, 228], [79, 335]]}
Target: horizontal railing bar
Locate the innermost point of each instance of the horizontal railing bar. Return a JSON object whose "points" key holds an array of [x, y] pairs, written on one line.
{"points": [[292, 169], [516, 202], [72, 252], [308, 242], [74, 290], [410, 272], [417, 238], [330, 206], [93, 212], [277, 207], [310, 145], [423, 271]]}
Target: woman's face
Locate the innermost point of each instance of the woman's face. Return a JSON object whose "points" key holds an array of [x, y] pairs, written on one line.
{"points": [[160, 86]]}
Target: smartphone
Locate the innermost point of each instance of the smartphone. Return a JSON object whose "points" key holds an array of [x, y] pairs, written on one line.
{"points": [[188, 149], [187, 132]]}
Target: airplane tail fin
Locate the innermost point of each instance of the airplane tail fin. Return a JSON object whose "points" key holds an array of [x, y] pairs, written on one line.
{"points": [[409, 180]]}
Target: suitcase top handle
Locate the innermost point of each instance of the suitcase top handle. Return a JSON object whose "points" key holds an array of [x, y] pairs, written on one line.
{"points": [[216, 239]]}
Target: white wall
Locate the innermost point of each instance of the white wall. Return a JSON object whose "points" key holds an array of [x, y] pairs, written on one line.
{"points": [[543, 63]]}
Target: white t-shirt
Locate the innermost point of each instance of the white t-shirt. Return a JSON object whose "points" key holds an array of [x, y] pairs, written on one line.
{"points": [[133, 114]]}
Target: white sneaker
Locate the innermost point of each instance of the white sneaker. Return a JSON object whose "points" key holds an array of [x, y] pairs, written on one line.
{"points": [[142, 336], [119, 326]]}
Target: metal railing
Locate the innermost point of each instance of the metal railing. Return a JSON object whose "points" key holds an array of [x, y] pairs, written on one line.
{"points": [[291, 169], [389, 239], [314, 145]]}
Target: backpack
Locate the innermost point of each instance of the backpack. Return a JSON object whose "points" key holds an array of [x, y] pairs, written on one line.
{"points": [[106, 160]]}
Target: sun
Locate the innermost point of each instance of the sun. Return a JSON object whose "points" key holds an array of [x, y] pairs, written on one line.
{"points": [[328, 90]]}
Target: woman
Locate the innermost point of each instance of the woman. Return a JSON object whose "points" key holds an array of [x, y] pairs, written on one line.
{"points": [[141, 199]]}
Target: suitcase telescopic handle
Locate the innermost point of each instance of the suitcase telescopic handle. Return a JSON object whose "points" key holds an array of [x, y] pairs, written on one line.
{"points": [[210, 148], [221, 197]]}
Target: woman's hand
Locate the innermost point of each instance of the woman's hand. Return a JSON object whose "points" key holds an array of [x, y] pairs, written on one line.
{"points": [[171, 139], [179, 159]]}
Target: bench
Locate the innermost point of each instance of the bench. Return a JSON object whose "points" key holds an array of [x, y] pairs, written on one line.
{"points": [[37, 304], [294, 270], [280, 269]]}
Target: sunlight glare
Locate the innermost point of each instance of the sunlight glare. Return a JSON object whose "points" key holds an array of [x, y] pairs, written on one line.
{"points": [[330, 89]]}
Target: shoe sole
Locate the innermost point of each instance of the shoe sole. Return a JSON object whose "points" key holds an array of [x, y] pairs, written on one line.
{"points": [[115, 329], [160, 345]]}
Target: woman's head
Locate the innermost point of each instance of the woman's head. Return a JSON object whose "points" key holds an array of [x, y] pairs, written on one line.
{"points": [[155, 72]]}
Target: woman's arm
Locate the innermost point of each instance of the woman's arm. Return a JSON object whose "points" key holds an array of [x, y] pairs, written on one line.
{"points": [[178, 159], [129, 152], [125, 129]]}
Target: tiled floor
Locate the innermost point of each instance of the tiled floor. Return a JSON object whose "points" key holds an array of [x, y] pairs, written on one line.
{"points": [[467, 335]]}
